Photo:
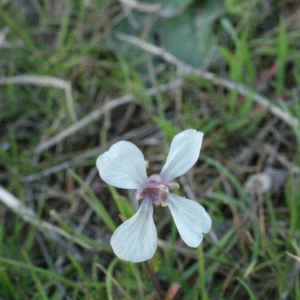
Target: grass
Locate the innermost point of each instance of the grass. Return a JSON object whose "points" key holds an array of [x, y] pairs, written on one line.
{"points": [[63, 251]]}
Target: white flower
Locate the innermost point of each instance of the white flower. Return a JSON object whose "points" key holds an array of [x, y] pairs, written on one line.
{"points": [[123, 166]]}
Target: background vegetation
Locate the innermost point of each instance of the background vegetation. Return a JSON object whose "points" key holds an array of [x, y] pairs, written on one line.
{"points": [[77, 76]]}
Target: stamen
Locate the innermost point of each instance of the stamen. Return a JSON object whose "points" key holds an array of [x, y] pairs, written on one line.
{"points": [[161, 186], [172, 185], [146, 164], [163, 194], [157, 190]]}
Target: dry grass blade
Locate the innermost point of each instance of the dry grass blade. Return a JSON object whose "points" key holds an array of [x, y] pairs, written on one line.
{"points": [[182, 250], [45, 81], [13, 203], [96, 114], [142, 6], [155, 50], [3, 34], [139, 132], [114, 281], [294, 256], [28, 215], [172, 291], [187, 69]]}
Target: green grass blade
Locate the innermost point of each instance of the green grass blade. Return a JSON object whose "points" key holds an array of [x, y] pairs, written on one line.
{"points": [[248, 289], [94, 202]]}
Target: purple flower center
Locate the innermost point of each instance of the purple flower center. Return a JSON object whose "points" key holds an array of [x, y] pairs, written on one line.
{"points": [[156, 190]]}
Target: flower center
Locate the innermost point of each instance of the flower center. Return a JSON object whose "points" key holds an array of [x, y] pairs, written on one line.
{"points": [[157, 190]]}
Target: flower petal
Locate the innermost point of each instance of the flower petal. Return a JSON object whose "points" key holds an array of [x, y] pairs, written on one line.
{"points": [[136, 239], [190, 218], [183, 154], [123, 166]]}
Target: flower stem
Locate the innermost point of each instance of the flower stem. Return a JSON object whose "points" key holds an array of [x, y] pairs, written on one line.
{"points": [[203, 292], [154, 280]]}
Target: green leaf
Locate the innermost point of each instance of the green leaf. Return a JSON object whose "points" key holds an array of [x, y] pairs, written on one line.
{"points": [[182, 29], [188, 36]]}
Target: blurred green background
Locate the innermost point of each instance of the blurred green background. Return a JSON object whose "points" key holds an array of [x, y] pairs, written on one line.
{"points": [[78, 76]]}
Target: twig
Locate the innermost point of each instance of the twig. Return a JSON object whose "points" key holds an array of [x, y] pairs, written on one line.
{"points": [[186, 69], [45, 81], [96, 114]]}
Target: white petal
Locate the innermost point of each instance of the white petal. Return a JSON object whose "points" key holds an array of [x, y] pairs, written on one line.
{"points": [[183, 154], [123, 166], [136, 239], [190, 218]]}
